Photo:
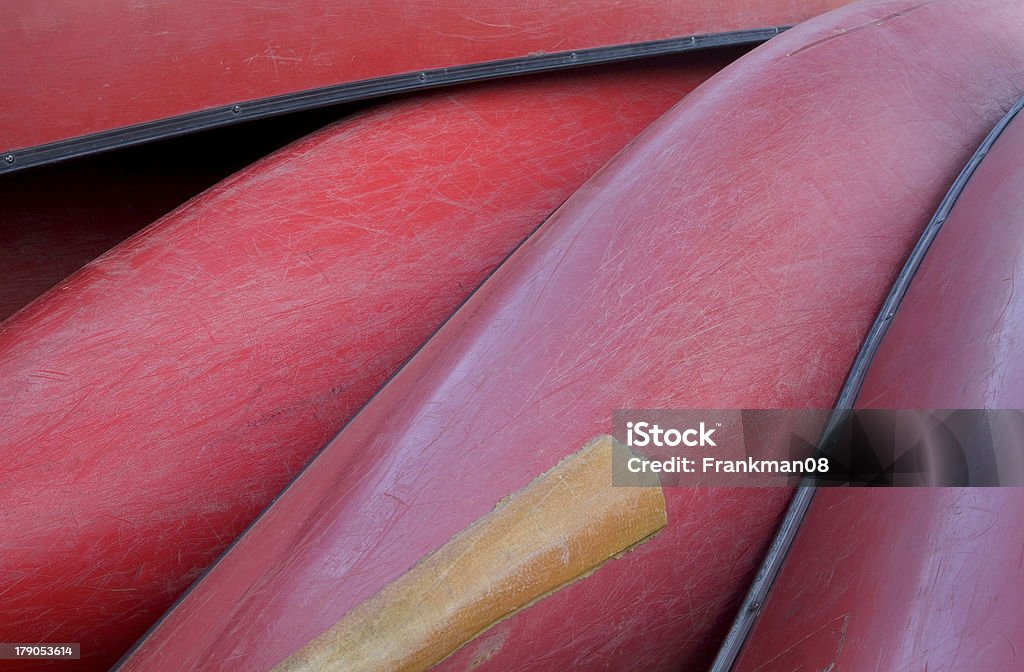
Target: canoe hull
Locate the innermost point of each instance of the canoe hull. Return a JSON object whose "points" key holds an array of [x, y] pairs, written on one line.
{"points": [[927, 578], [132, 63], [724, 260], [179, 381]]}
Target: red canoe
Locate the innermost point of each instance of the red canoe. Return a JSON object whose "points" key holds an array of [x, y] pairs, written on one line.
{"points": [[954, 340], [925, 579], [76, 74], [733, 256], [177, 383], [58, 218]]}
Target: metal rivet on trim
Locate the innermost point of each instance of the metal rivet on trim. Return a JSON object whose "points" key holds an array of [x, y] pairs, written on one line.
{"points": [[423, 76], [9, 158], [236, 109]]}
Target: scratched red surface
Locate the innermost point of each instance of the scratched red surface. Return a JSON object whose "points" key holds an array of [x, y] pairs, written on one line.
{"points": [[70, 67], [160, 397], [733, 256], [956, 339], [58, 218], [924, 579]]}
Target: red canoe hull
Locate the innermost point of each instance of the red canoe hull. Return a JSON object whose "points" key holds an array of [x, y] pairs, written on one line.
{"points": [[59, 218], [931, 578], [954, 340], [724, 260], [73, 69], [177, 383], [925, 579]]}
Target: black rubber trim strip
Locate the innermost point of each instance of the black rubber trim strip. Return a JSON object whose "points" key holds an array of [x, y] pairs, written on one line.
{"points": [[366, 89], [758, 592], [751, 607]]}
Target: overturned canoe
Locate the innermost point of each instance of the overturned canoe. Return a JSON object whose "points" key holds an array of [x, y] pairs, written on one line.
{"points": [[178, 382], [731, 257], [83, 78], [59, 218], [925, 578]]}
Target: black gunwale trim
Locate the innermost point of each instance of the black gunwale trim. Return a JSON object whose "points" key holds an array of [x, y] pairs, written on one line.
{"points": [[786, 534], [225, 115]]}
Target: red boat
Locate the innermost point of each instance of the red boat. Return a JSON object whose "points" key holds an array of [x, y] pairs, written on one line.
{"points": [[178, 382], [733, 256], [296, 284], [58, 218], [82, 78], [923, 578]]}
